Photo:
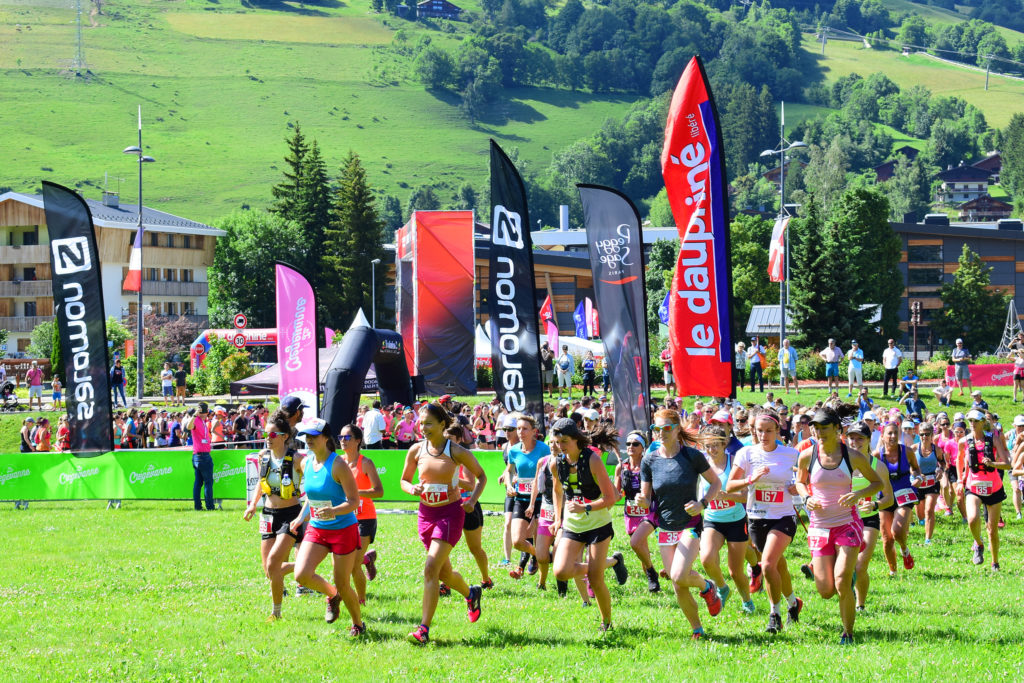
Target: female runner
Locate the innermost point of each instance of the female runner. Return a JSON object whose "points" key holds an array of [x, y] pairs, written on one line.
{"points": [[825, 480], [765, 471], [331, 501], [522, 468], [583, 496], [983, 452], [442, 511], [669, 477], [640, 521], [368, 482], [901, 462], [928, 460], [725, 522], [859, 438], [280, 476]]}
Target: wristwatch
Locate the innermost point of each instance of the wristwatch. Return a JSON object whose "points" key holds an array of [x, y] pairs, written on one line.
{"points": [[703, 503], [588, 508]]}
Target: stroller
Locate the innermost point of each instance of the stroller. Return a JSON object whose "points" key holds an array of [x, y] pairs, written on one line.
{"points": [[10, 399]]}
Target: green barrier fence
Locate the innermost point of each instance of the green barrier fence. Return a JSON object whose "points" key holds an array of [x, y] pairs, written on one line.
{"points": [[168, 475]]}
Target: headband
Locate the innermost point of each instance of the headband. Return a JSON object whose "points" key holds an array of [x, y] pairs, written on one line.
{"points": [[639, 437]]}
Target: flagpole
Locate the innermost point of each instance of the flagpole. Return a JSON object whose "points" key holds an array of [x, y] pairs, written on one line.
{"points": [[140, 379]]}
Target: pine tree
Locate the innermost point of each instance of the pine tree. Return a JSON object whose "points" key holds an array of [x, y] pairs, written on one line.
{"points": [[286, 192], [969, 308], [57, 354], [352, 240]]}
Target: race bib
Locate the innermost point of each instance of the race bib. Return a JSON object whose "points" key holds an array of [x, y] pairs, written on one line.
{"points": [[524, 488], [905, 497], [634, 510], [547, 512], [581, 500], [320, 510], [768, 493], [434, 494], [266, 524], [359, 510], [817, 538], [669, 537], [929, 480], [981, 488], [720, 504]]}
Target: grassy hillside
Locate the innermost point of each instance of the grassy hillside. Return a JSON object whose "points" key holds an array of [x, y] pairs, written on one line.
{"points": [[219, 84], [938, 15], [999, 103]]}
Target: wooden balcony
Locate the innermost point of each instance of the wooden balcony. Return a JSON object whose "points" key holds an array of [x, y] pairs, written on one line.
{"points": [[29, 288], [36, 253], [23, 323]]}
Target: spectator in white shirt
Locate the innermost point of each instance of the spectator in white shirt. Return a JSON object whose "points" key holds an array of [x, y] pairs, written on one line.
{"points": [[373, 427], [891, 358]]}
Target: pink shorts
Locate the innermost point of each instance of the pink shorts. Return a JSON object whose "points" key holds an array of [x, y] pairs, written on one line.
{"points": [[823, 542], [633, 522], [443, 523], [338, 541]]}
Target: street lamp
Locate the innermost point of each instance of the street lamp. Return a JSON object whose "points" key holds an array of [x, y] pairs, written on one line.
{"points": [[784, 285], [373, 290], [143, 159]]}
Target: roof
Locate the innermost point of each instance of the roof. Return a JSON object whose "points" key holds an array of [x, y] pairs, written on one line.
{"points": [[764, 320], [430, 4], [986, 202], [975, 230], [992, 163], [126, 216], [962, 173]]}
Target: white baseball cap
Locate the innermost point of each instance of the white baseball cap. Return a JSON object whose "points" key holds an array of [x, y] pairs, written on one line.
{"points": [[870, 415], [1018, 421], [975, 415]]}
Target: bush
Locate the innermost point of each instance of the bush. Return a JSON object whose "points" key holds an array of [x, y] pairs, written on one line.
{"points": [[873, 371], [932, 369], [810, 367], [483, 379], [153, 364], [990, 360]]}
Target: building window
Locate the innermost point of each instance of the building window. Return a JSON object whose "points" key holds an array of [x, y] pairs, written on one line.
{"points": [[186, 275], [23, 345], [152, 274], [186, 241], [154, 239], [30, 273], [30, 309], [924, 253], [171, 274], [188, 308], [924, 276], [171, 308], [31, 237], [170, 241]]}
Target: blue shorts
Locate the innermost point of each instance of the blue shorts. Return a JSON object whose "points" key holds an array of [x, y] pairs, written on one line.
{"points": [[57, 396], [831, 369], [168, 391]]}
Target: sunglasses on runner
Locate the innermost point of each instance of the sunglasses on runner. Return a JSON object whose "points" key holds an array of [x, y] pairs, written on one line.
{"points": [[345, 437], [662, 428], [271, 435], [630, 444]]}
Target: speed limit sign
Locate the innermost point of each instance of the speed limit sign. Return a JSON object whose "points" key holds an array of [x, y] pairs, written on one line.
{"points": [[240, 321], [239, 341]]}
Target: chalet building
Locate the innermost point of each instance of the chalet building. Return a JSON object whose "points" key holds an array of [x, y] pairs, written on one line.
{"points": [[962, 184], [885, 170], [993, 163], [176, 253], [984, 209], [772, 176], [438, 9]]}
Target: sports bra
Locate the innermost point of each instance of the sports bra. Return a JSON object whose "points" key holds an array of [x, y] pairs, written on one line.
{"points": [[447, 450]]}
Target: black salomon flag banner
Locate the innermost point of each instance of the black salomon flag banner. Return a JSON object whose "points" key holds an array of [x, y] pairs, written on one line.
{"points": [[616, 244], [511, 300], [80, 319]]}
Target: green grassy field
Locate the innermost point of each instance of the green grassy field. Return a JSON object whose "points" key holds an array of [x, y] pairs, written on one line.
{"points": [[938, 15], [155, 591], [218, 90]]}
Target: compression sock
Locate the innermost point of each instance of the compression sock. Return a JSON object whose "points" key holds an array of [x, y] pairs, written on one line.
{"points": [[791, 599], [523, 559], [776, 608], [277, 609]]}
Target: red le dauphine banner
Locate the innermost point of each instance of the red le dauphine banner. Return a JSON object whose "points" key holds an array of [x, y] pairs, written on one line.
{"points": [[700, 315]]}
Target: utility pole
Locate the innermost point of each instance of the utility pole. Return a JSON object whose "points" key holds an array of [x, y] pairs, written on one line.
{"points": [[915, 320], [988, 68], [79, 64]]}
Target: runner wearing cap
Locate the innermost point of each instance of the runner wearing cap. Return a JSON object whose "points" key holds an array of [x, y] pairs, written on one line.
{"points": [[370, 487], [442, 512], [835, 535], [640, 521], [983, 452], [901, 463], [332, 497], [858, 437]]}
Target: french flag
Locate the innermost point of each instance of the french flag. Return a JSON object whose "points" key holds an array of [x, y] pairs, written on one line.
{"points": [[133, 281]]}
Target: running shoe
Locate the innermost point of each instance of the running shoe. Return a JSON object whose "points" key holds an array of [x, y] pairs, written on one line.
{"points": [[846, 639], [421, 635], [806, 570], [473, 603], [272, 618], [531, 569], [723, 594], [861, 608], [370, 560], [697, 634], [541, 587], [710, 595], [333, 605], [927, 541], [444, 591], [516, 573], [563, 588], [487, 585], [604, 628], [749, 607], [590, 591], [663, 574], [920, 522], [979, 553], [793, 616], [995, 566], [908, 561], [1018, 516], [756, 579], [357, 630], [1002, 524], [774, 623], [620, 569], [504, 563], [653, 584], [302, 590]]}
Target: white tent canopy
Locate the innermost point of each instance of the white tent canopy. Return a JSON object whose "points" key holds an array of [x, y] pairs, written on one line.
{"points": [[578, 347]]}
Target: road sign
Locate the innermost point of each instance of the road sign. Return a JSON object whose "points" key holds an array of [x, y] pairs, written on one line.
{"points": [[240, 321], [239, 341]]}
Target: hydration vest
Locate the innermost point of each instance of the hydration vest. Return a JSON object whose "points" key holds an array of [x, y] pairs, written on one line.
{"points": [[974, 457], [286, 489], [585, 484]]}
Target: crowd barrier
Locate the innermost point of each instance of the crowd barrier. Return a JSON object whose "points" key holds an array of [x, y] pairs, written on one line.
{"points": [[168, 475], [995, 375]]}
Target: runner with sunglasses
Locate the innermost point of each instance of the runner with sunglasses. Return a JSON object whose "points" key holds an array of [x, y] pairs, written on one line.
{"points": [[835, 536], [280, 478], [765, 471], [946, 449], [522, 469], [370, 487], [640, 521], [858, 437], [983, 455], [928, 460], [901, 463], [670, 477]]}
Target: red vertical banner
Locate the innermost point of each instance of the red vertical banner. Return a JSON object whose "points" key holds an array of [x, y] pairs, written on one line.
{"points": [[700, 310], [777, 251], [404, 292]]}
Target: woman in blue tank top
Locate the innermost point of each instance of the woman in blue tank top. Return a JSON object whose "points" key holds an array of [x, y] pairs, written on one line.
{"points": [[928, 491], [901, 463], [332, 497]]}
